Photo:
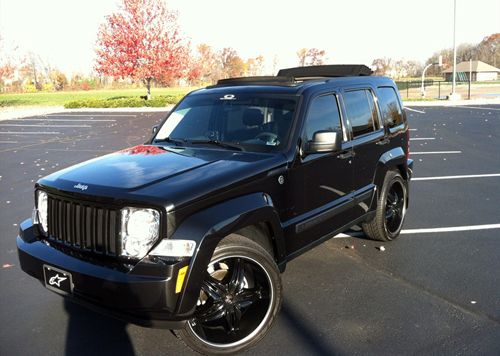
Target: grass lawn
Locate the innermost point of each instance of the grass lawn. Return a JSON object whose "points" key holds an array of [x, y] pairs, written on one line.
{"points": [[59, 98]]}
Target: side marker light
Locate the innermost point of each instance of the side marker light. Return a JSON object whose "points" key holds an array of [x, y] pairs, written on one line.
{"points": [[180, 279]]}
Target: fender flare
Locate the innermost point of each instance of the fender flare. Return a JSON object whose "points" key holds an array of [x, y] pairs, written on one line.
{"points": [[208, 227], [390, 160], [395, 158]]}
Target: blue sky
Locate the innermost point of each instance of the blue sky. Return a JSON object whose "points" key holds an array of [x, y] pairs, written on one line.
{"points": [[356, 31]]}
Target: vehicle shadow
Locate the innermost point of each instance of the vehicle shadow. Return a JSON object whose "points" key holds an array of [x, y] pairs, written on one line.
{"points": [[305, 333], [91, 333]]}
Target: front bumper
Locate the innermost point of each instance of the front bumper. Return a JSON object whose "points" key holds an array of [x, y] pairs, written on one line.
{"points": [[143, 294]]}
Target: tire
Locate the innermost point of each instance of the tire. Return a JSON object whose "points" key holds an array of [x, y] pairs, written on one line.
{"points": [[391, 210], [239, 301]]}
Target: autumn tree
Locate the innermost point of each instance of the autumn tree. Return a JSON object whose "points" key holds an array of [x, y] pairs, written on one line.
{"points": [[302, 54], [193, 70], [32, 70], [489, 48], [255, 66], [311, 57], [231, 65], [208, 62], [382, 66], [142, 41], [10, 61]]}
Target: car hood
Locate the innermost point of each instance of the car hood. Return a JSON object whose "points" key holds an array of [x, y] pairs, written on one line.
{"points": [[149, 172]]}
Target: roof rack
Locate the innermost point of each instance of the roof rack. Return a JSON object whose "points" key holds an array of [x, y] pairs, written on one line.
{"points": [[256, 80], [292, 75], [326, 71]]}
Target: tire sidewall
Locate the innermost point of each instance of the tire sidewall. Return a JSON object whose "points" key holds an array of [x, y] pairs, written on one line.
{"points": [[392, 178], [255, 253]]}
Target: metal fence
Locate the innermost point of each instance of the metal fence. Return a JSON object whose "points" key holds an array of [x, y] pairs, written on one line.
{"points": [[435, 89]]}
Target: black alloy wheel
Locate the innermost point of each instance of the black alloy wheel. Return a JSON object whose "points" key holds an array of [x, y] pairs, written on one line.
{"points": [[239, 300], [391, 210]]}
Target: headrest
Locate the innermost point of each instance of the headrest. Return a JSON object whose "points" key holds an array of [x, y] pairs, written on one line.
{"points": [[253, 117]]}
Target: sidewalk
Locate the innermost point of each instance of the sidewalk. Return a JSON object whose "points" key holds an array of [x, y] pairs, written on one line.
{"points": [[463, 102]]}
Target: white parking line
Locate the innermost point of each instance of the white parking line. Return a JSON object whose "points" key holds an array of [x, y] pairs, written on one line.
{"points": [[420, 112], [66, 120], [422, 138], [475, 107], [84, 126], [8, 142], [431, 230], [64, 115], [458, 177], [451, 229], [434, 153], [29, 133]]}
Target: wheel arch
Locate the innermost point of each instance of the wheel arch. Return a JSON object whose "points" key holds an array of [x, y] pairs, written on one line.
{"points": [[252, 216], [392, 160]]}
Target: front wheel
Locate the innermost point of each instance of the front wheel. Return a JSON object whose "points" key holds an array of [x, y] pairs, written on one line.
{"points": [[391, 210], [239, 300]]}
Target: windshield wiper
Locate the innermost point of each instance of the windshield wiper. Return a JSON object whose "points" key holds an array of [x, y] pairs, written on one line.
{"points": [[180, 141], [227, 145]]}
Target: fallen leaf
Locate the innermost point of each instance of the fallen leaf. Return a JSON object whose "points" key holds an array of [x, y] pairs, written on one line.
{"points": [[7, 265]]}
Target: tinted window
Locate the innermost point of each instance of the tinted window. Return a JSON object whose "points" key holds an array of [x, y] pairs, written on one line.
{"points": [[389, 106], [362, 112], [249, 119], [324, 115]]}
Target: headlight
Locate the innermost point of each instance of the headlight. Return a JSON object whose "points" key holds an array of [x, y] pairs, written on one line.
{"points": [[42, 207], [140, 230]]}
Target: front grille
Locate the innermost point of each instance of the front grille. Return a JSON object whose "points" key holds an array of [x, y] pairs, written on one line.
{"points": [[84, 226]]}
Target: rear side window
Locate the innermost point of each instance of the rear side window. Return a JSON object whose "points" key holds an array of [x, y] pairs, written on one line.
{"points": [[362, 112], [324, 115], [392, 114]]}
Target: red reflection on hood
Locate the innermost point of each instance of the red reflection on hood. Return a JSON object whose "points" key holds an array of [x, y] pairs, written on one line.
{"points": [[144, 150]]}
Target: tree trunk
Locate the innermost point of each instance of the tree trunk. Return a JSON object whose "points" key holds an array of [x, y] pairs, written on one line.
{"points": [[147, 83]]}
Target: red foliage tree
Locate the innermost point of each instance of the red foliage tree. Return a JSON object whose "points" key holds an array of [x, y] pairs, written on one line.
{"points": [[142, 41]]}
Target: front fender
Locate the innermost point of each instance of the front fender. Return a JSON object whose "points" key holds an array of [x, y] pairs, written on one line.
{"points": [[210, 226]]}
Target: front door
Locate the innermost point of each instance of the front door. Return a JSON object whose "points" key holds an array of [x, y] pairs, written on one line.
{"points": [[320, 184]]}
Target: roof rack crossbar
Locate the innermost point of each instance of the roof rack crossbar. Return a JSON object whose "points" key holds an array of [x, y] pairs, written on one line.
{"points": [[255, 80], [327, 71]]}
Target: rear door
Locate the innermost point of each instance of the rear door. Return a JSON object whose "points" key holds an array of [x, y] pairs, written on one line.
{"points": [[368, 141]]}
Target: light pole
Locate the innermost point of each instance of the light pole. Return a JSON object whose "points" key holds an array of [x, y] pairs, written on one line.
{"points": [[422, 89], [454, 95]]}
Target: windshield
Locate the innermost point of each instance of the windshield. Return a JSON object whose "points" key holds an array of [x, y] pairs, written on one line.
{"points": [[249, 122]]}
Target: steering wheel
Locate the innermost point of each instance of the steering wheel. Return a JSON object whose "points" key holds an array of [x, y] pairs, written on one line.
{"points": [[268, 137]]}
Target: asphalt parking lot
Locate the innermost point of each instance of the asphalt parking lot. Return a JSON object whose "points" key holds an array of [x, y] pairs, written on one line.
{"points": [[434, 291]]}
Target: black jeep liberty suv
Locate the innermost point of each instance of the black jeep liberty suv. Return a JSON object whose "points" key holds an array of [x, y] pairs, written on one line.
{"points": [[191, 230]]}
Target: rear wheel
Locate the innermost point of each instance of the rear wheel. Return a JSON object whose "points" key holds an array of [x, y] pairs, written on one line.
{"points": [[239, 301], [391, 210]]}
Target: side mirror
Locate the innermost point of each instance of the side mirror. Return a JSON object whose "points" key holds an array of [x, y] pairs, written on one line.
{"points": [[324, 141], [155, 128]]}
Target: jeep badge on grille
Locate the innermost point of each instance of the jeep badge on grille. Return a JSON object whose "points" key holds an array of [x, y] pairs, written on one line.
{"points": [[81, 186]]}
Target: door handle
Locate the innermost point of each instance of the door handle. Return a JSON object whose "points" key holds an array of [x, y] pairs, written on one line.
{"points": [[346, 155], [383, 142]]}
